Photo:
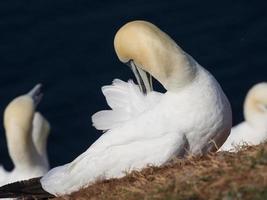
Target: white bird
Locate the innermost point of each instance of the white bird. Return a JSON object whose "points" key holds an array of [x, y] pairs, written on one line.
{"points": [[147, 128], [26, 134], [253, 130], [193, 116]]}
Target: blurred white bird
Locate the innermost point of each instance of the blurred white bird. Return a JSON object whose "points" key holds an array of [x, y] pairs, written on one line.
{"points": [[253, 130], [26, 134]]}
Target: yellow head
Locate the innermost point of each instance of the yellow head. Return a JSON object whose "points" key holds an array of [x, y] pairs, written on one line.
{"points": [[155, 52], [19, 114]]}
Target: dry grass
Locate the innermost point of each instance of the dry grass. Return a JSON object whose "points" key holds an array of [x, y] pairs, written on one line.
{"points": [[226, 176]]}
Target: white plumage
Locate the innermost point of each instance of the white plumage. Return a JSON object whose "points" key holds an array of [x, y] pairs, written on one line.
{"points": [[253, 130], [126, 101], [192, 117], [159, 129]]}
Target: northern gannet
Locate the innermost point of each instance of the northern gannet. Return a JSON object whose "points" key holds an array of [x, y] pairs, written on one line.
{"points": [[148, 128], [253, 130], [26, 134]]}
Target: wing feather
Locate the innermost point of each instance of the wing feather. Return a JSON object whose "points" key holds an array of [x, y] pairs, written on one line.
{"points": [[126, 102]]}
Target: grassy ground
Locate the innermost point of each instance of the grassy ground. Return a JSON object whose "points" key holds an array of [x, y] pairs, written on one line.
{"points": [[225, 176]]}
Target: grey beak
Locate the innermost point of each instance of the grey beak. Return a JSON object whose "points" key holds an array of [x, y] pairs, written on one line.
{"points": [[36, 94], [144, 79]]}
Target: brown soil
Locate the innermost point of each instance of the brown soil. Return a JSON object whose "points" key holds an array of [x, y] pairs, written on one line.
{"points": [[222, 175]]}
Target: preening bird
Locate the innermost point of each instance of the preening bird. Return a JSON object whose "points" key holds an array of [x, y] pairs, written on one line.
{"points": [[145, 127]]}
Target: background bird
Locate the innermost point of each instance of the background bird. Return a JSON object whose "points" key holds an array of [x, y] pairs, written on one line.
{"points": [[26, 134], [253, 130]]}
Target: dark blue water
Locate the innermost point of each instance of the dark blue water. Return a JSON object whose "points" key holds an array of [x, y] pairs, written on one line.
{"points": [[68, 46]]}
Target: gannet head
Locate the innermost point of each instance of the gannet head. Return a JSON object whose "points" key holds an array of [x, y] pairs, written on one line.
{"points": [[255, 106], [145, 47], [18, 118]]}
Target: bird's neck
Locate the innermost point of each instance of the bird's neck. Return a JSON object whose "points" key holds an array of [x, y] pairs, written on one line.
{"points": [[40, 143], [21, 149], [258, 122], [254, 115], [183, 72]]}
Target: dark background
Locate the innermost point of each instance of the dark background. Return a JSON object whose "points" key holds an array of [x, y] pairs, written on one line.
{"points": [[68, 46]]}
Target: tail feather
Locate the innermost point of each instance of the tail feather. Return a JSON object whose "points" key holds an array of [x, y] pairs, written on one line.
{"points": [[28, 189]]}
